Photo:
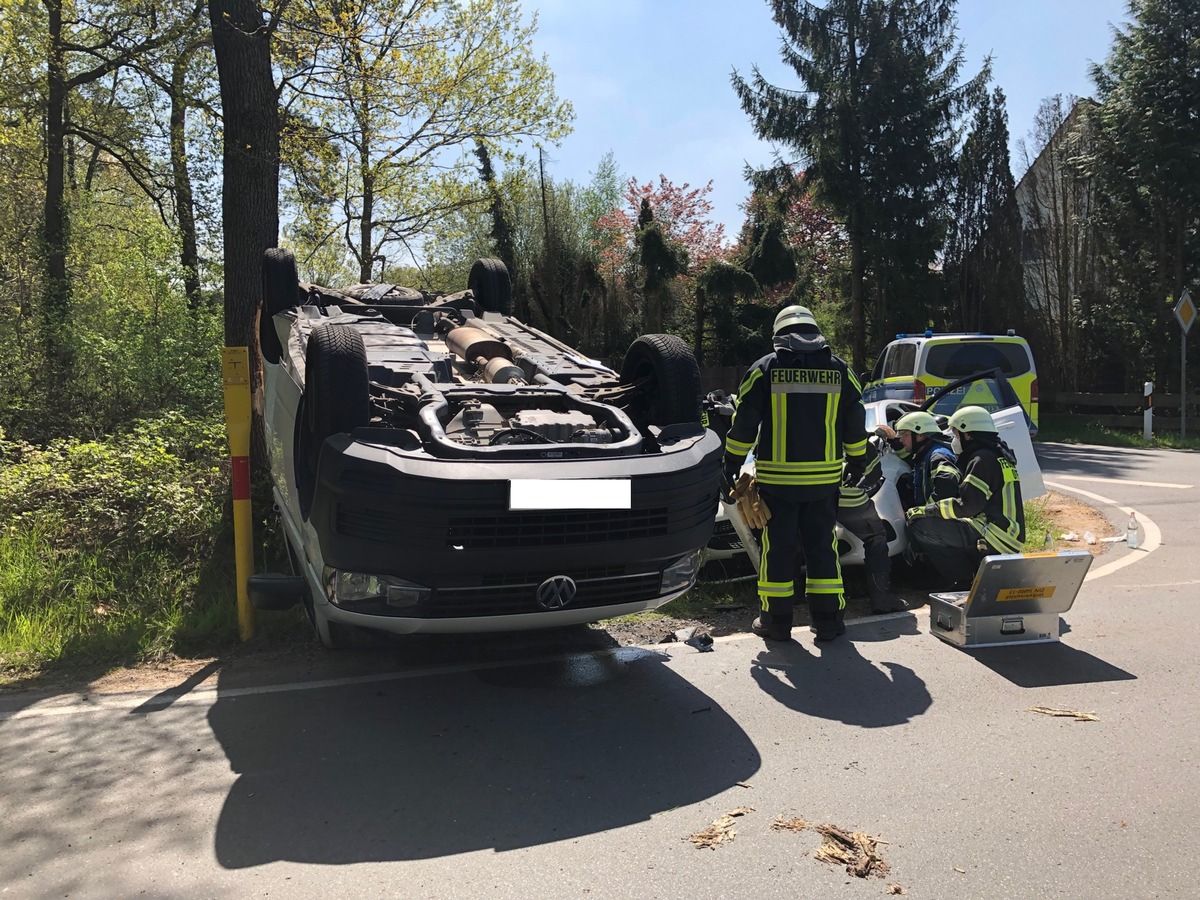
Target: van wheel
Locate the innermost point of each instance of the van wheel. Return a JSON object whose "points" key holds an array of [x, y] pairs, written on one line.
{"points": [[336, 398], [336, 386], [490, 283], [667, 367], [280, 291]]}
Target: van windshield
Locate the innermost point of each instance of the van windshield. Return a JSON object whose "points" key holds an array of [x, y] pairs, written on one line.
{"points": [[960, 359]]}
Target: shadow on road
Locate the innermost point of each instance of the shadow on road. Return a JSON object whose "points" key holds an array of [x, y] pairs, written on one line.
{"points": [[1098, 462], [840, 685], [427, 766], [1048, 665]]}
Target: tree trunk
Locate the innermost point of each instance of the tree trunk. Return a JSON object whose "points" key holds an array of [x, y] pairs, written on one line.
{"points": [[54, 235], [185, 215], [250, 202], [858, 347], [365, 227]]}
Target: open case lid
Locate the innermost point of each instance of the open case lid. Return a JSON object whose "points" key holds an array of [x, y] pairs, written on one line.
{"points": [[1023, 584]]}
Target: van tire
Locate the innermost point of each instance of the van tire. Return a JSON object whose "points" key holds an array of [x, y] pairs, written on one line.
{"points": [[668, 368], [489, 281], [280, 291], [336, 399]]}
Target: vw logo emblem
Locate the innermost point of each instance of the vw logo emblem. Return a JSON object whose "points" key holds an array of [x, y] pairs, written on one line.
{"points": [[556, 592]]}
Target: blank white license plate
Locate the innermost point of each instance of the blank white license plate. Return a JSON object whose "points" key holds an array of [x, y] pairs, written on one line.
{"points": [[583, 493]]}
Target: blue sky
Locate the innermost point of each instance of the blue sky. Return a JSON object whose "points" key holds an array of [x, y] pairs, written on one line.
{"points": [[649, 79]]}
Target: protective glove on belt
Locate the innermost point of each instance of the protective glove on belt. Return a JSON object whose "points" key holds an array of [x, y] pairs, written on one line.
{"points": [[751, 507]]}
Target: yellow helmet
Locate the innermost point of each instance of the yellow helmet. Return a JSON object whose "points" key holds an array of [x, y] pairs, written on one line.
{"points": [[970, 419], [793, 315]]}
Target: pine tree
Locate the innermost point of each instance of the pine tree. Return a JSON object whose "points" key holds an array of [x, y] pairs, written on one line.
{"points": [[1144, 133], [983, 248], [873, 124]]}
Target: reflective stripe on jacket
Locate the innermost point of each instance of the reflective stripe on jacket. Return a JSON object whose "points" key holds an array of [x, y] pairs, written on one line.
{"points": [[803, 408], [989, 497]]}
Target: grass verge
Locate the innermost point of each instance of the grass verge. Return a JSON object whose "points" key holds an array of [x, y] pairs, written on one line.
{"points": [[119, 551]]}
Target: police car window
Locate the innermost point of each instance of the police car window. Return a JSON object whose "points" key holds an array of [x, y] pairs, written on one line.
{"points": [[877, 372], [901, 361], [952, 361]]}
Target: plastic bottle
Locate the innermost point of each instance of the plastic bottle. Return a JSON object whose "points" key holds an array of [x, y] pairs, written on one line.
{"points": [[1048, 541], [1133, 531]]}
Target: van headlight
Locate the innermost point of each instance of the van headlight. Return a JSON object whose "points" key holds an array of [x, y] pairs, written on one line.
{"points": [[681, 574], [352, 588]]}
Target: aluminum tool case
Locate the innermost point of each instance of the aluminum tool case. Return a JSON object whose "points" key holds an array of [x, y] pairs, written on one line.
{"points": [[1015, 599]]}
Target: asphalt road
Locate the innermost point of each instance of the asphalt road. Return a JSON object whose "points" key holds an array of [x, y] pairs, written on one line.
{"points": [[582, 775]]}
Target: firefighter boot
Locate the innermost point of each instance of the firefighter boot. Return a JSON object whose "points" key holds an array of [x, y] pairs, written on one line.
{"points": [[824, 611], [774, 625], [841, 623], [879, 592]]}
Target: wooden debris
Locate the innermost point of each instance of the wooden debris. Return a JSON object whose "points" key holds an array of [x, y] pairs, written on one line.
{"points": [[856, 851], [792, 824], [1069, 713], [721, 831]]}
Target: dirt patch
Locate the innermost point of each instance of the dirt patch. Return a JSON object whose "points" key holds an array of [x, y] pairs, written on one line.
{"points": [[1072, 516]]}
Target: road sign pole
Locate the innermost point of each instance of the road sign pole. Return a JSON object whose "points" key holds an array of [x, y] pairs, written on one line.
{"points": [[1185, 314], [235, 363]]}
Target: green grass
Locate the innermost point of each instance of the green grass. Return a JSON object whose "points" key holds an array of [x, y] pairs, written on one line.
{"points": [[1068, 429], [1037, 523]]}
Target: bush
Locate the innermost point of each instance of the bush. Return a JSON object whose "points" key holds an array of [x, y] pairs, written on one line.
{"points": [[114, 549]]}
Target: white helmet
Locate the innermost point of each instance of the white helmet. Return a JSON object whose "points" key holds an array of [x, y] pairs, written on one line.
{"points": [[793, 315], [970, 419], [918, 423]]}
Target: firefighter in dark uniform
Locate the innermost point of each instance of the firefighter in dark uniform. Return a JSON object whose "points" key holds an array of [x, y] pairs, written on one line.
{"points": [[857, 514], [935, 476], [986, 516], [803, 408]]}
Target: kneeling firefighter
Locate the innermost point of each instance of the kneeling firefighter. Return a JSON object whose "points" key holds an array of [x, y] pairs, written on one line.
{"points": [[803, 408], [986, 516]]}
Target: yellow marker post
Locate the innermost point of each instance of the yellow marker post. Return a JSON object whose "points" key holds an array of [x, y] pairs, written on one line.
{"points": [[235, 369]]}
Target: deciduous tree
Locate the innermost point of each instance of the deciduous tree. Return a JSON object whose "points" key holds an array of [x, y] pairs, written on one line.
{"points": [[404, 91]]}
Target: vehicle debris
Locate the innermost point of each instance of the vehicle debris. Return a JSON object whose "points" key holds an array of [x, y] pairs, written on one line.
{"points": [[1075, 714], [702, 642]]}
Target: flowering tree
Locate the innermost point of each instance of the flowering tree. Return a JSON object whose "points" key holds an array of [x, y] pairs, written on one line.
{"points": [[683, 213]]}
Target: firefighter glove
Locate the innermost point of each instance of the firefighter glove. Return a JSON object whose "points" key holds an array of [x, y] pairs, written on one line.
{"points": [[751, 507], [914, 513]]}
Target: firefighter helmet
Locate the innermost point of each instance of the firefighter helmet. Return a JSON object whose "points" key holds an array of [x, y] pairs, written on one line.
{"points": [[970, 419], [918, 423], [793, 315]]}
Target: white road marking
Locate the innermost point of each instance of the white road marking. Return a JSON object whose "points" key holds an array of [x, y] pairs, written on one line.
{"points": [[153, 701], [1151, 533], [1161, 484]]}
